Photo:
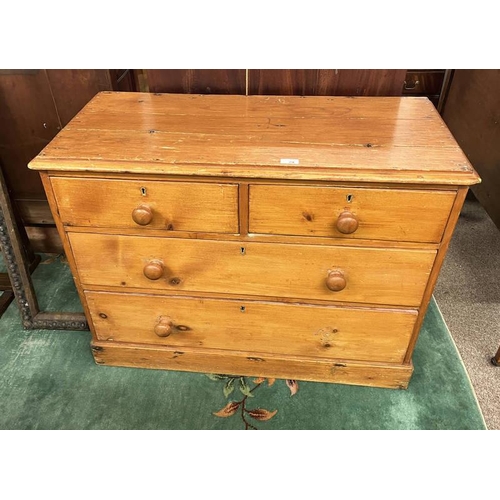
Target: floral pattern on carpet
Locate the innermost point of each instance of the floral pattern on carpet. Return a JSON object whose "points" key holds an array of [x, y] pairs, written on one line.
{"points": [[241, 407]]}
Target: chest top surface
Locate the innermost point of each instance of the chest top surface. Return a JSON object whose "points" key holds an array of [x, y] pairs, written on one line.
{"points": [[364, 139]]}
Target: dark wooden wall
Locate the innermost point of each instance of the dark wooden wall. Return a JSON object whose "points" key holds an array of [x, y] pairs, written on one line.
{"points": [[472, 112], [277, 81], [326, 82], [34, 106], [197, 81]]}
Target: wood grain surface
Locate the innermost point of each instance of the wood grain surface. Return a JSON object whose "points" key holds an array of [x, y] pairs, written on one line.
{"points": [[251, 363], [175, 206], [441, 254], [342, 205], [334, 138], [34, 106], [263, 238], [373, 275], [73, 88], [383, 214], [330, 332], [29, 121], [66, 247], [472, 112], [197, 81], [343, 82]]}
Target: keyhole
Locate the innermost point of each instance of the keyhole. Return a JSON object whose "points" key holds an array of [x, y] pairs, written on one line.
{"points": [[349, 198], [242, 309], [243, 250], [143, 191]]}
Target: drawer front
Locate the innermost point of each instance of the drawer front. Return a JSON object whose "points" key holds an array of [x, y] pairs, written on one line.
{"points": [[378, 214], [172, 206], [372, 275], [421, 82], [318, 331]]}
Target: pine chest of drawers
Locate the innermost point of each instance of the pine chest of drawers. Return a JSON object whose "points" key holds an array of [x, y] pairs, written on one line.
{"points": [[284, 237]]}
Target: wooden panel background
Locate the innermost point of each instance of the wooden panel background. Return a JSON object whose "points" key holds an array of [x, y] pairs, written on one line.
{"points": [[28, 122], [73, 88], [472, 112], [124, 80], [360, 82], [278, 81], [197, 81]]}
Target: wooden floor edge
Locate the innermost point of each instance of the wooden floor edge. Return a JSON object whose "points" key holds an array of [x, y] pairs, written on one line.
{"points": [[391, 376]]}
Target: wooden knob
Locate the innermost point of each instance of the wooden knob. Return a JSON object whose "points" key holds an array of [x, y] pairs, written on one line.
{"points": [[335, 281], [153, 270], [142, 215], [347, 223], [164, 327]]}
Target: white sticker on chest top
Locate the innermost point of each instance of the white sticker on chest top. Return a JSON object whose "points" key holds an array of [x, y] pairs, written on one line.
{"points": [[289, 161]]}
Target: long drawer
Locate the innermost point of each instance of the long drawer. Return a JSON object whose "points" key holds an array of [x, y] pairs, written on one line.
{"points": [[318, 331], [379, 214], [333, 273], [145, 204]]}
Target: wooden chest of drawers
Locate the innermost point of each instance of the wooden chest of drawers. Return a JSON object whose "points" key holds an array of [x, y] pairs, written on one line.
{"points": [[282, 237]]}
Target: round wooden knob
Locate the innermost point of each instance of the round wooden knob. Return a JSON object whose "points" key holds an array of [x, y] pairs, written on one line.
{"points": [[347, 223], [142, 215], [153, 270], [164, 327], [335, 281]]}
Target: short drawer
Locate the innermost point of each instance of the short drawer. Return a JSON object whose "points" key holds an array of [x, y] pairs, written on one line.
{"points": [[332, 273], [318, 331], [172, 206], [378, 214]]}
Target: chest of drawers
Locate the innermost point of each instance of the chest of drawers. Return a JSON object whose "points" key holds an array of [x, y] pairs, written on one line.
{"points": [[284, 237]]}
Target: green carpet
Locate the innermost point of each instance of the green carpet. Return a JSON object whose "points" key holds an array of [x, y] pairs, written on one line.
{"points": [[48, 380]]}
